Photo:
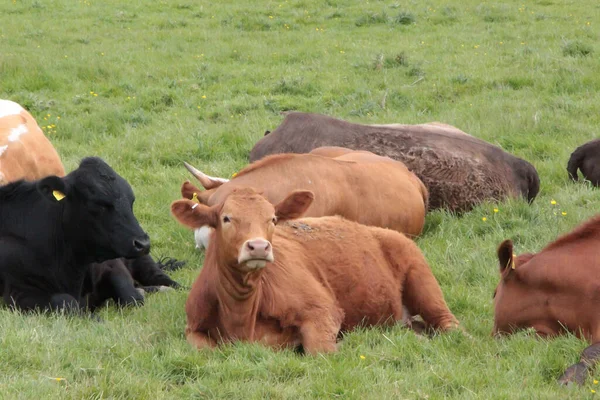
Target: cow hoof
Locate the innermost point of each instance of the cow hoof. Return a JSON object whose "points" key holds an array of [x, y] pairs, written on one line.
{"points": [[141, 291], [575, 374]]}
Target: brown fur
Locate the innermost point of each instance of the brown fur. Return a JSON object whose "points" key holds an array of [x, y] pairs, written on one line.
{"points": [[328, 275], [359, 186], [586, 158], [30, 157], [555, 290], [459, 170]]}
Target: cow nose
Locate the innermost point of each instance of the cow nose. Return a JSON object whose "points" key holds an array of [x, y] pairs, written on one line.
{"points": [[258, 248], [142, 245]]}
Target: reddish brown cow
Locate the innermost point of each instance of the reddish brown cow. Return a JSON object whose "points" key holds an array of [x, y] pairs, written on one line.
{"points": [[25, 152], [300, 282], [360, 186], [554, 291]]}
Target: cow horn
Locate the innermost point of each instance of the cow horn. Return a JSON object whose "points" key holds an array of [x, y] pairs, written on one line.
{"points": [[208, 182]]}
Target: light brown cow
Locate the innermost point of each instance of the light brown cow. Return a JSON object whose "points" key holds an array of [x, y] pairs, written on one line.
{"points": [[554, 291], [360, 186], [25, 152], [300, 282]]}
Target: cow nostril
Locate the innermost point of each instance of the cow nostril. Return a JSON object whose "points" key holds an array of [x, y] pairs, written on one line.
{"points": [[141, 245], [250, 246], [267, 246]]}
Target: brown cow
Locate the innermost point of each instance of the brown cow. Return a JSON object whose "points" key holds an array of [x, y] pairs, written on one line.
{"points": [[359, 186], [25, 152], [300, 282], [586, 158], [459, 170], [554, 291]]}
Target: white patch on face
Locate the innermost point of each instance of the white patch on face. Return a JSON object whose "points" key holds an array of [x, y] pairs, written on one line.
{"points": [[3, 149], [256, 264], [202, 236], [8, 107], [15, 133]]}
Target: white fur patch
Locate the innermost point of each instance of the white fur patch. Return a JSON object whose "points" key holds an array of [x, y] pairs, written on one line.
{"points": [[15, 133], [8, 107], [256, 264], [3, 149], [202, 236]]}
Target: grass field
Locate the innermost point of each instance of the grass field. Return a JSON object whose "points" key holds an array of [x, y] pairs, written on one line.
{"points": [[148, 84]]}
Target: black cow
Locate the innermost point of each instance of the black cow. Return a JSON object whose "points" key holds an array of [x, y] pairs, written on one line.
{"points": [[126, 280], [586, 158], [52, 229]]}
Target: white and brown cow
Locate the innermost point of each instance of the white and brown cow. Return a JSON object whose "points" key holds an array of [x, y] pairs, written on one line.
{"points": [[25, 152]]}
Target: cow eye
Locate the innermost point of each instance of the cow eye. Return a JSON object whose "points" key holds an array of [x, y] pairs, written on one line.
{"points": [[226, 220]]}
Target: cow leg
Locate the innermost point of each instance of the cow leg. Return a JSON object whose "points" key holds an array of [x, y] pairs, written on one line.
{"points": [[35, 300], [112, 280], [319, 338], [147, 273], [578, 373], [422, 295], [199, 340]]}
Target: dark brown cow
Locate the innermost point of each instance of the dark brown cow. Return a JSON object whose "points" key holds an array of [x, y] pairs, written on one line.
{"points": [[300, 282], [554, 291], [359, 186], [586, 158], [459, 170]]}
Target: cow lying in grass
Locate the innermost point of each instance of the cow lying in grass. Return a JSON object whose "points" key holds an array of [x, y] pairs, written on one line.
{"points": [[459, 170], [554, 291], [53, 228], [357, 185], [300, 283]]}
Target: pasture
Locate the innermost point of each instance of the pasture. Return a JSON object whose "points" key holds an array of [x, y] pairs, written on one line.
{"points": [[149, 84]]}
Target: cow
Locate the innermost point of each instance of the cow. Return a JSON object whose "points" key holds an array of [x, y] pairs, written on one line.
{"points": [[586, 158], [53, 228], [359, 186], [459, 170], [286, 282], [25, 152], [554, 292]]}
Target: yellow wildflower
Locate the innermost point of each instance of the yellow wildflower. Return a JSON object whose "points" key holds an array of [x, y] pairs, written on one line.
{"points": [[595, 382], [203, 96], [484, 219], [362, 357], [593, 391], [564, 213], [553, 202], [496, 210]]}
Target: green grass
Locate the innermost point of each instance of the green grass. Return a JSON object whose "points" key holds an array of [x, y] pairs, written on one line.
{"points": [[148, 84]]}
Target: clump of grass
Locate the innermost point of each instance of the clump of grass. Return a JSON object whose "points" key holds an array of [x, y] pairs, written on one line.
{"points": [[576, 48], [405, 18], [372, 19]]}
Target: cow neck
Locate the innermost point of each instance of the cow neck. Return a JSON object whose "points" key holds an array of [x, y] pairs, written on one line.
{"points": [[239, 295]]}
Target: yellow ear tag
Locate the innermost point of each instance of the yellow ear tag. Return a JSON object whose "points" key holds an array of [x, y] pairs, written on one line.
{"points": [[58, 195], [234, 175], [195, 198]]}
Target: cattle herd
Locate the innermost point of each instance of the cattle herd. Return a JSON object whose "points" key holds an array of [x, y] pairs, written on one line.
{"points": [[312, 239]]}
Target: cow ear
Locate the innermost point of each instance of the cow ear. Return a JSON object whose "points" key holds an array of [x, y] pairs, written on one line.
{"points": [[294, 205], [194, 215], [506, 258], [53, 188]]}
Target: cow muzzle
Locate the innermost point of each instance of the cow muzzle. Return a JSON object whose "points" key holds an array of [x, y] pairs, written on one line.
{"points": [[255, 253]]}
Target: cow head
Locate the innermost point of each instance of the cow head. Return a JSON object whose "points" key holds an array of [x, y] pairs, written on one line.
{"points": [[519, 299], [244, 224], [97, 210]]}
